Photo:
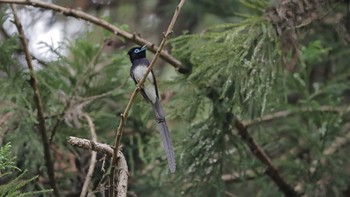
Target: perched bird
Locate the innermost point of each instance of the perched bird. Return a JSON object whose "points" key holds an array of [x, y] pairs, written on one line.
{"points": [[149, 91]]}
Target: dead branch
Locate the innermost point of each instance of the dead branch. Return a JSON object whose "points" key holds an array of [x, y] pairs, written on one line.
{"points": [[91, 146], [122, 168]]}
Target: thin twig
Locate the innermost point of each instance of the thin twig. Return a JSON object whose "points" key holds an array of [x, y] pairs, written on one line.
{"points": [[93, 156], [287, 113], [39, 105], [334, 146], [40, 61], [245, 175], [74, 91], [230, 194], [271, 170], [86, 100], [124, 116], [337, 144], [108, 26]]}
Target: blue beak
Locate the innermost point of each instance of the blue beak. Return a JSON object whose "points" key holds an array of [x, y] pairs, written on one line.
{"points": [[144, 47]]}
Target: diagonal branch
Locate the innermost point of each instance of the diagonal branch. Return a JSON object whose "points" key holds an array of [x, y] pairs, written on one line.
{"points": [[108, 26], [271, 170], [39, 105], [138, 86]]}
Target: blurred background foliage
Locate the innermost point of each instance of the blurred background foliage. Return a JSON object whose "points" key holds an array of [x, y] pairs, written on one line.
{"points": [[300, 117]]}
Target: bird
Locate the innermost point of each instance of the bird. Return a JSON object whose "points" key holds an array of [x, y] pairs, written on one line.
{"points": [[149, 91]]}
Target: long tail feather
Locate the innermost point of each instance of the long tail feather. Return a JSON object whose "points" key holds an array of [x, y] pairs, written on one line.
{"points": [[165, 135]]}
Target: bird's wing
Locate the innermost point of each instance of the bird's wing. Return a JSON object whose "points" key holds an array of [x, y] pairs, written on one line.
{"points": [[142, 91], [155, 83]]}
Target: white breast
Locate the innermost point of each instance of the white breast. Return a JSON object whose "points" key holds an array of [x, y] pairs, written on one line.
{"points": [[148, 86]]}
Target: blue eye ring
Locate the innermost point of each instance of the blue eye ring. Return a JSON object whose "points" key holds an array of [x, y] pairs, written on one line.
{"points": [[136, 50]]}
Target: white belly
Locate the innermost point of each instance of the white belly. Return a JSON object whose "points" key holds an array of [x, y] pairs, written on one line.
{"points": [[148, 86]]}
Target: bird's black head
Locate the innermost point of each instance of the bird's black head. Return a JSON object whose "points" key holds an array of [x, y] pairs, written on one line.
{"points": [[137, 53]]}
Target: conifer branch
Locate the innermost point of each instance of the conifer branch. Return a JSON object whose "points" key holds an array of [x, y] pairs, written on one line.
{"points": [[288, 113], [124, 116], [108, 26], [93, 156], [39, 105], [334, 146], [271, 170], [74, 92]]}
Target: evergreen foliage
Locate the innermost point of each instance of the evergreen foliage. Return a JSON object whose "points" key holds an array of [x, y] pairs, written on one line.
{"points": [[300, 118], [233, 71], [12, 182], [235, 61]]}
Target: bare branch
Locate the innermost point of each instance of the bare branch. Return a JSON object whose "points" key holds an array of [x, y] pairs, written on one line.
{"points": [[245, 175], [122, 168], [334, 146], [91, 146], [108, 26], [271, 170], [337, 143], [93, 156], [39, 106], [121, 176]]}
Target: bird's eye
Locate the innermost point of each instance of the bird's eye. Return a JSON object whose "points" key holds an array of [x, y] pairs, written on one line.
{"points": [[136, 50]]}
